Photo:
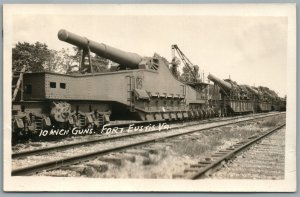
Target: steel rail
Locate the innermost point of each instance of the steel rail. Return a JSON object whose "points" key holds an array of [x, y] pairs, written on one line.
{"points": [[51, 165], [65, 146], [240, 146]]}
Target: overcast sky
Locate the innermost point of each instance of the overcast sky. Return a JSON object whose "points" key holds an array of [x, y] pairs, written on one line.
{"points": [[251, 49]]}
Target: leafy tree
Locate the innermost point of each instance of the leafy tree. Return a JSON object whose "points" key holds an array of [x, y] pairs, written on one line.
{"points": [[100, 64], [174, 71], [38, 58], [32, 55], [60, 61], [174, 67], [189, 74]]}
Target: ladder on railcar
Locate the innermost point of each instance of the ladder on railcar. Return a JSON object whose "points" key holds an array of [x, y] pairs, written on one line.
{"points": [[17, 83], [130, 94]]}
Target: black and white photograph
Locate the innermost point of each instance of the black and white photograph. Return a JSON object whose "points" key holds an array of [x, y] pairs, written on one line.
{"points": [[178, 97]]}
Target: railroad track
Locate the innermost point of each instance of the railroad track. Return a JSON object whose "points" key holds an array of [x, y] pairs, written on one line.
{"points": [[124, 125], [116, 135], [56, 164], [20, 154], [263, 160], [207, 168]]}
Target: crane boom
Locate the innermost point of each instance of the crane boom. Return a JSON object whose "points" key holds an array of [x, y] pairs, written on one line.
{"points": [[185, 60]]}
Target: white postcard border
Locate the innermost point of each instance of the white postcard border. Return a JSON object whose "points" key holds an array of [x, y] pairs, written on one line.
{"points": [[91, 184]]}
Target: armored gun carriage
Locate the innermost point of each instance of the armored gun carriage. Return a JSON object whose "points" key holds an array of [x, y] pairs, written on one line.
{"points": [[142, 88]]}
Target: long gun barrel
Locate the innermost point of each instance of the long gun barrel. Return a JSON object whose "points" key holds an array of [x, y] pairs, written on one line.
{"points": [[130, 60], [254, 91], [223, 84]]}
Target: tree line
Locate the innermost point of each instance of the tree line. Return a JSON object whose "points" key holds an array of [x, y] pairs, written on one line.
{"points": [[39, 58]]}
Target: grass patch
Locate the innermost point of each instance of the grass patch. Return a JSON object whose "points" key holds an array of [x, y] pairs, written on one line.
{"points": [[210, 141], [203, 144], [272, 121]]}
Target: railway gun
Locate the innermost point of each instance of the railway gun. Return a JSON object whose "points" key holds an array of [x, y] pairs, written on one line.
{"points": [[140, 88], [239, 99]]}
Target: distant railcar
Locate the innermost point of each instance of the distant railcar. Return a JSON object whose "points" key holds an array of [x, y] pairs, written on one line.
{"points": [[239, 99]]}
